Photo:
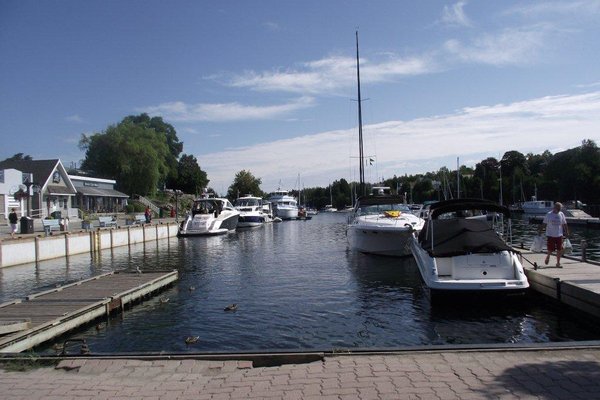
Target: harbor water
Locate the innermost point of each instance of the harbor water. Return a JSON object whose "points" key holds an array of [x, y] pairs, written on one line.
{"points": [[297, 286]]}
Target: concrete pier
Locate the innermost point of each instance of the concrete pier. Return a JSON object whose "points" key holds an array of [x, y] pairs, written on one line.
{"points": [[39, 247], [567, 373]]}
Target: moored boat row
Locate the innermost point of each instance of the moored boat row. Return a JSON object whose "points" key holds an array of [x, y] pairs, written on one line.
{"points": [[216, 216], [462, 246]]}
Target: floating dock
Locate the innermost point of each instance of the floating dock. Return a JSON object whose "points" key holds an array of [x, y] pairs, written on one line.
{"points": [[574, 217], [43, 316], [576, 284]]}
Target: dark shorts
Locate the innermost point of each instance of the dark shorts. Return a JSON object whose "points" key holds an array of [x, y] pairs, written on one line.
{"points": [[554, 243]]}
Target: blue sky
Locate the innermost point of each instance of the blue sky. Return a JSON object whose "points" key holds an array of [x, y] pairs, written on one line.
{"points": [[270, 86]]}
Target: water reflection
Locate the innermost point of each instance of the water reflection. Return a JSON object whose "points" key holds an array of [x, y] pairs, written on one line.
{"points": [[297, 286]]}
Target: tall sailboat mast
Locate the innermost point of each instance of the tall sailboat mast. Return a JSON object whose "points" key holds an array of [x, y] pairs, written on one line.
{"points": [[360, 138]]}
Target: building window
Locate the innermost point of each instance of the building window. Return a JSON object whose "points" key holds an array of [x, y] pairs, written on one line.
{"points": [[2, 176]]}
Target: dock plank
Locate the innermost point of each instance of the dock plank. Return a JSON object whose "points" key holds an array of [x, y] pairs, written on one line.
{"points": [[577, 283], [54, 311]]}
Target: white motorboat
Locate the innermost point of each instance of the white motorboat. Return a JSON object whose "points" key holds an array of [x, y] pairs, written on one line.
{"points": [[329, 208], [535, 206], [251, 210], [210, 216], [458, 251], [284, 205], [267, 209], [382, 224]]}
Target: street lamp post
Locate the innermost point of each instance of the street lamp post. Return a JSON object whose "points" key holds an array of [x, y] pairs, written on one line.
{"points": [[177, 194], [28, 183]]}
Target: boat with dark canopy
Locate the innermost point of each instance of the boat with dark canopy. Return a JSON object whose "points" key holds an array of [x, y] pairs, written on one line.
{"points": [[464, 247]]}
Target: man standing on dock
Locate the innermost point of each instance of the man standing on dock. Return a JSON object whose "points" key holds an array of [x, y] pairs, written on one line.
{"points": [[556, 228], [13, 219]]}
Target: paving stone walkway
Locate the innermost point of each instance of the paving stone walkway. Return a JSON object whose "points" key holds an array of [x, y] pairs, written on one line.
{"points": [[514, 374]]}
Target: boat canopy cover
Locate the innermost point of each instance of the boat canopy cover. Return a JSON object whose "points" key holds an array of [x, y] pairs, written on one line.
{"points": [[460, 236], [447, 206], [378, 200]]}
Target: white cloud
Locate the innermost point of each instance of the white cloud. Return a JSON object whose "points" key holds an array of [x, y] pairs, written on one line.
{"points": [[272, 26], [558, 8], [510, 47], [74, 118], [418, 145], [331, 74], [455, 15], [179, 111], [588, 85]]}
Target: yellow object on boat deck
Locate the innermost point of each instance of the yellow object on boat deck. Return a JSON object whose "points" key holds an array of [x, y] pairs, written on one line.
{"points": [[392, 214]]}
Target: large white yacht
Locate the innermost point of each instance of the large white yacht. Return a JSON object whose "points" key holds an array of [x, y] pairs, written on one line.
{"points": [[284, 205], [252, 211], [460, 250], [210, 216], [382, 224]]}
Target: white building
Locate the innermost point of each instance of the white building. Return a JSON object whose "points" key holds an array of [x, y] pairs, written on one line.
{"points": [[11, 189]]}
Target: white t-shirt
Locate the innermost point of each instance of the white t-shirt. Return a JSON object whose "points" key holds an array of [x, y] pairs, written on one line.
{"points": [[554, 223]]}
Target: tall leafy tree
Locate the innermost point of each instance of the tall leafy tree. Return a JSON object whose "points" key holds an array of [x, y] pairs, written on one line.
{"points": [[244, 183], [170, 135], [191, 179], [514, 169], [19, 157], [132, 154], [487, 172]]}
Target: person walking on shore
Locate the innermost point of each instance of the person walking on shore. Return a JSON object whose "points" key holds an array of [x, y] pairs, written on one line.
{"points": [[12, 220], [556, 227]]}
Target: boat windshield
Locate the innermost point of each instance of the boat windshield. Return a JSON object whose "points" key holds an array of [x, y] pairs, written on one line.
{"points": [[205, 206], [462, 214], [380, 208], [247, 202]]}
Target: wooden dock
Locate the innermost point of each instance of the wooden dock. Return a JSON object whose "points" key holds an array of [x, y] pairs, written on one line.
{"points": [[49, 314], [577, 283]]}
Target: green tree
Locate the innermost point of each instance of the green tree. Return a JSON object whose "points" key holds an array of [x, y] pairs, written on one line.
{"points": [[170, 136], [190, 177], [244, 183], [19, 157], [134, 155], [514, 168], [487, 174]]}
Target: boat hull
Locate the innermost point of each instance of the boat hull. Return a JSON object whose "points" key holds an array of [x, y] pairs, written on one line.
{"points": [[537, 207], [207, 225], [499, 273], [286, 213], [250, 221], [380, 240]]}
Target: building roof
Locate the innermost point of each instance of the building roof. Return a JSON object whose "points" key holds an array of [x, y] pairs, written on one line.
{"points": [[59, 190], [41, 169], [92, 191], [91, 179]]}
